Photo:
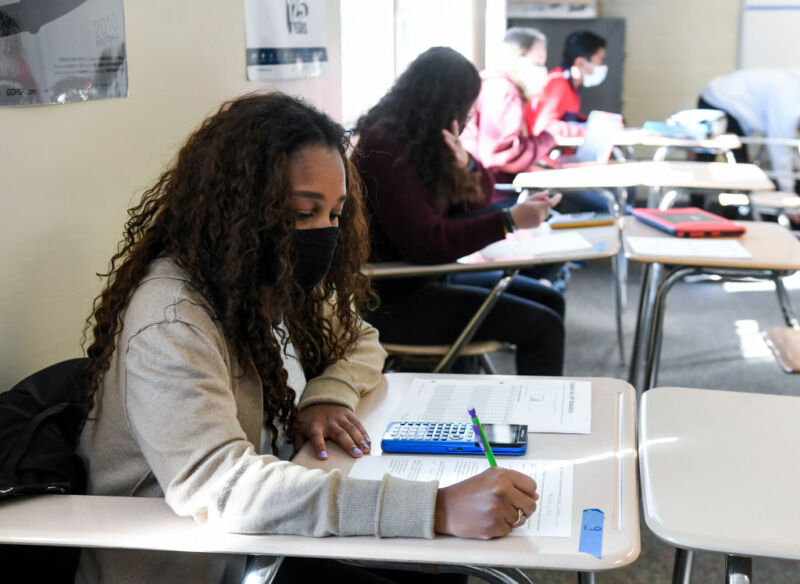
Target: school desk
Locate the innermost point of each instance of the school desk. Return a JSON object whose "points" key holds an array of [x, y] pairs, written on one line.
{"points": [[604, 478], [718, 474], [658, 176], [605, 242], [775, 254], [632, 137]]}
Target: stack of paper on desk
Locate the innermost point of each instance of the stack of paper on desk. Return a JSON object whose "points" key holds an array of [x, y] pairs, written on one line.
{"points": [[690, 248], [554, 478], [520, 245], [545, 405]]}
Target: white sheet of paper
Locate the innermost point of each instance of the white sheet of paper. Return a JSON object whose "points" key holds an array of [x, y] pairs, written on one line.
{"points": [[554, 478], [701, 248], [532, 246], [545, 405]]}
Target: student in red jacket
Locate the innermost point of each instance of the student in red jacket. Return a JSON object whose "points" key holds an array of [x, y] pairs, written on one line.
{"points": [[583, 65], [496, 134], [421, 185]]}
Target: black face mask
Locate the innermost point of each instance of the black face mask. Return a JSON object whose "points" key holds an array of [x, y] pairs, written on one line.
{"points": [[313, 253]]}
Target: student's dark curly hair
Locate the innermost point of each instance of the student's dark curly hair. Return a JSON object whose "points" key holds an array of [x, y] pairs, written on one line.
{"points": [[221, 212], [439, 86]]}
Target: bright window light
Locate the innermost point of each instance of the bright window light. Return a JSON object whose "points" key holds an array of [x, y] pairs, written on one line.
{"points": [[751, 343], [733, 199], [790, 282]]}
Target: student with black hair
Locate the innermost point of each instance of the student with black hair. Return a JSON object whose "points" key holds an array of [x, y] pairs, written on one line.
{"points": [[583, 65]]}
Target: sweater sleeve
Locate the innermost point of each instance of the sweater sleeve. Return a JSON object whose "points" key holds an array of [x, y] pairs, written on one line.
{"points": [[182, 411], [503, 142], [345, 381], [404, 209]]}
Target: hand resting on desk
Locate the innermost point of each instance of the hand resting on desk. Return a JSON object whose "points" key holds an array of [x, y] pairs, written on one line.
{"points": [[318, 422], [485, 506]]}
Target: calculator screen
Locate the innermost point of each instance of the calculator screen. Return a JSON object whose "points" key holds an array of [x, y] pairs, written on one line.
{"points": [[501, 433]]}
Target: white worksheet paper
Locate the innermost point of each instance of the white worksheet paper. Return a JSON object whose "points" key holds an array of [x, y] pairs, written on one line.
{"points": [[700, 248], [553, 515], [518, 245], [561, 406]]}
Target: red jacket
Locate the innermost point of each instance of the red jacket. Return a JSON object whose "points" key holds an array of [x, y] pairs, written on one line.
{"points": [[560, 101]]}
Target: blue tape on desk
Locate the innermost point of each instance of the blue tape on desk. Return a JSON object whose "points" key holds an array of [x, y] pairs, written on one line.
{"points": [[592, 533]]}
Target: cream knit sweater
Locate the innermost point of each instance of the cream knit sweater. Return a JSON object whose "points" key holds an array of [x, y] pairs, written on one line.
{"points": [[178, 417]]}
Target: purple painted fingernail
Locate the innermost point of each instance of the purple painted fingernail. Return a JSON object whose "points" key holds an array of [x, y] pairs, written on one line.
{"points": [[323, 454], [356, 451], [364, 446], [368, 439]]}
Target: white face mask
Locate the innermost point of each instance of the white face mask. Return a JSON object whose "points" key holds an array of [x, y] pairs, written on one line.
{"points": [[531, 77], [596, 77]]}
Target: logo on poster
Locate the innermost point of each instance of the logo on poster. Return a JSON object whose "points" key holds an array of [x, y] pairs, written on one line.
{"points": [[297, 17]]}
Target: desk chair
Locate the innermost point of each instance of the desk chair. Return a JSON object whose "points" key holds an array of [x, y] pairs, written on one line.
{"points": [[715, 475], [445, 354], [785, 345], [406, 356], [777, 203]]}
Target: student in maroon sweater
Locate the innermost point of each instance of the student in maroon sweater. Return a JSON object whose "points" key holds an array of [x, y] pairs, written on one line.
{"points": [[429, 202]]}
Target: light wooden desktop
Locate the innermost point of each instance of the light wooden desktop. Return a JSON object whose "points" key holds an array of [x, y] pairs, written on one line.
{"points": [[605, 478], [717, 471], [775, 254]]}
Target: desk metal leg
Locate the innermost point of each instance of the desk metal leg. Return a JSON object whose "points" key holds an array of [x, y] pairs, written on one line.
{"points": [[619, 284], [262, 569], [586, 578], [653, 354], [653, 197], [789, 315], [484, 573], [682, 569], [738, 570], [650, 275], [476, 320]]}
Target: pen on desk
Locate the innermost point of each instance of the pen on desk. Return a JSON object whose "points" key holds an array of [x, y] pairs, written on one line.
{"points": [[479, 433]]}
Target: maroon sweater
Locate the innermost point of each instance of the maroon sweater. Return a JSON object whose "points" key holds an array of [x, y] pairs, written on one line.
{"points": [[404, 223]]}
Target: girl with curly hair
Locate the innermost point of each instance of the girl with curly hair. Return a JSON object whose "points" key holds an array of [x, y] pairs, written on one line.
{"points": [[226, 334], [430, 203]]}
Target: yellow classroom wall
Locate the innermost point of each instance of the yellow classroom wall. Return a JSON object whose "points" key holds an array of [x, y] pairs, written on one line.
{"points": [[69, 172], [673, 47]]}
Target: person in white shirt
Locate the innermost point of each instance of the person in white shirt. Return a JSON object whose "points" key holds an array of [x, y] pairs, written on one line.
{"points": [[760, 101]]}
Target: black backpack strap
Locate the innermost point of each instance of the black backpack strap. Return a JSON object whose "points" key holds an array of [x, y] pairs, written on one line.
{"points": [[23, 440]]}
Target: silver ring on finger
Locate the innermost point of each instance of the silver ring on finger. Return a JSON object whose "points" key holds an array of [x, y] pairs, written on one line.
{"points": [[520, 518]]}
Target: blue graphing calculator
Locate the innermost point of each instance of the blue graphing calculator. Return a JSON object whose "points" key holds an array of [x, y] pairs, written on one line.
{"points": [[452, 438]]}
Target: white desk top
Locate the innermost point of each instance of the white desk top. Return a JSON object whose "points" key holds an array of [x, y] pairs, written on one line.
{"points": [[772, 246], [604, 240], [600, 460], [638, 137], [720, 471], [675, 174]]}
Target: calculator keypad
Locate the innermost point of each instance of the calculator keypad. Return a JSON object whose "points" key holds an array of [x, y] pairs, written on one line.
{"points": [[436, 431]]}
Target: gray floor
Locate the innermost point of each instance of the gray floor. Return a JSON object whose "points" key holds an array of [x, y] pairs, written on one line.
{"points": [[707, 331]]}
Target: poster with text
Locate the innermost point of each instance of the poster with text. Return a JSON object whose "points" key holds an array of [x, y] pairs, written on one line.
{"points": [[61, 51], [285, 39]]}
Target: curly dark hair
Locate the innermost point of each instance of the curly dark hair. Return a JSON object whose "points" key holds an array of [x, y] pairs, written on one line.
{"points": [[221, 212], [439, 86]]}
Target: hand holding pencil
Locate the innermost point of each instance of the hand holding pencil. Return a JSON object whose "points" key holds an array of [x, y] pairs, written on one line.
{"points": [[488, 505]]}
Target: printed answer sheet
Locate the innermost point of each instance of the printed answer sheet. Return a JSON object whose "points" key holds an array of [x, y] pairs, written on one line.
{"points": [[553, 515], [546, 405], [693, 248]]}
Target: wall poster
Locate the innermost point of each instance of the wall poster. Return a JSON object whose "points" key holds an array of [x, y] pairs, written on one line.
{"points": [[285, 38], [60, 51]]}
